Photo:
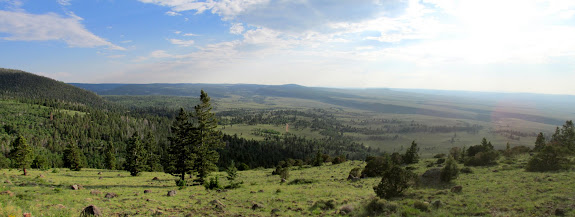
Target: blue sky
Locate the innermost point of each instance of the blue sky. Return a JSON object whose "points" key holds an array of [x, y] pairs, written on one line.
{"points": [[488, 45]]}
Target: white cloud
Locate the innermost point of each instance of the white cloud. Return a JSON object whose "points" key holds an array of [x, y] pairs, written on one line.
{"points": [[183, 43], [64, 2], [172, 13], [190, 34], [23, 26], [237, 29]]}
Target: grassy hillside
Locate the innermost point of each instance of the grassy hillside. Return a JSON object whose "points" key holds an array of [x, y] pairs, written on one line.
{"points": [[503, 190]]}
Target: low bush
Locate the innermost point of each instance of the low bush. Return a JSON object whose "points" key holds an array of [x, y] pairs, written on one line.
{"points": [[485, 158], [213, 184], [550, 158], [380, 207], [324, 205], [449, 171], [393, 182]]}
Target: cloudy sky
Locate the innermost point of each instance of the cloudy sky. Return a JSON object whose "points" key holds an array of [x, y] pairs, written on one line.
{"points": [[483, 45]]}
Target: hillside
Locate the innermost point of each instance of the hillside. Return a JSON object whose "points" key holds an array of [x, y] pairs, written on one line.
{"points": [[24, 85]]}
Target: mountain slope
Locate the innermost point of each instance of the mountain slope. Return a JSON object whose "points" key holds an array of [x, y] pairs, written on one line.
{"points": [[20, 84]]}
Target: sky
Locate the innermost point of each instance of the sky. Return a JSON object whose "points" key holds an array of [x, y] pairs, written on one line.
{"points": [[483, 45]]}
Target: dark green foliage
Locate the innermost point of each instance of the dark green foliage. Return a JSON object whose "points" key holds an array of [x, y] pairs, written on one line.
{"points": [[376, 166], [73, 157], [449, 171], [396, 158], [441, 155], [422, 206], [302, 181], [539, 142], [232, 171], [152, 153], [550, 158], [411, 155], [440, 161], [483, 147], [485, 158], [355, 172], [324, 205], [393, 183], [110, 157], [467, 170], [4, 161], [456, 153], [181, 183], [380, 207], [284, 173], [338, 159], [565, 136], [206, 138], [213, 184], [318, 160], [243, 167], [40, 162], [21, 154], [180, 155], [136, 156]]}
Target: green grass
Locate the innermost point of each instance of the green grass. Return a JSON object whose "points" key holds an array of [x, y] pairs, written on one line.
{"points": [[502, 190]]}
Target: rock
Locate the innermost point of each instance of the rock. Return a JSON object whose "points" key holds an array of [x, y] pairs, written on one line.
{"points": [[559, 212], [257, 206], [9, 193], [457, 189], [99, 173], [345, 210], [171, 193], [437, 204], [111, 195], [155, 179], [431, 176], [252, 192], [91, 211], [495, 171], [95, 192], [74, 187], [147, 191], [284, 180], [217, 203]]}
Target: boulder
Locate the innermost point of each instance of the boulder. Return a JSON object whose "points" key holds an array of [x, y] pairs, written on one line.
{"points": [[99, 173], [147, 191], [171, 193], [74, 187], [431, 176], [91, 211], [457, 189], [155, 179]]}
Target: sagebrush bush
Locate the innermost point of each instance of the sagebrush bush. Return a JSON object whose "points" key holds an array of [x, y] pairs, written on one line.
{"points": [[449, 171], [393, 182], [355, 172], [377, 207], [213, 184], [376, 166], [484, 158], [550, 158]]}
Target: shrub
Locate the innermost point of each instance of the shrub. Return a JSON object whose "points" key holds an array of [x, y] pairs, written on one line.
{"points": [[485, 158], [243, 167], [355, 172], [550, 158], [396, 158], [440, 161], [284, 173], [377, 207], [393, 182], [234, 185], [376, 166], [338, 159], [456, 153], [441, 155], [181, 183], [422, 206], [449, 171], [213, 184], [324, 205], [411, 155], [232, 171]]}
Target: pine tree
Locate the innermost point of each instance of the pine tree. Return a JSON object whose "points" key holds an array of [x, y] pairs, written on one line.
{"points": [[539, 142], [21, 154], [136, 156], [206, 138], [110, 157], [180, 156], [73, 157], [411, 154], [153, 159]]}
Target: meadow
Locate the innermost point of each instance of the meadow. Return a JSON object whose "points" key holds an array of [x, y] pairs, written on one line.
{"points": [[501, 190]]}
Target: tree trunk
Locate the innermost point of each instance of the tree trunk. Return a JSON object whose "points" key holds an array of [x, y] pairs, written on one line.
{"points": [[183, 176], [25, 173]]}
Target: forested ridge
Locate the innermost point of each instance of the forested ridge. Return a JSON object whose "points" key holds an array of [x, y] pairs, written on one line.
{"points": [[52, 116]]}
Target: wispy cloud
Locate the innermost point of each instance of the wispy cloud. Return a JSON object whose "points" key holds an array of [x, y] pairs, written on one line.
{"points": [[237, 28], [172, 13], [64, 2], [183, 43], [22, 26]]}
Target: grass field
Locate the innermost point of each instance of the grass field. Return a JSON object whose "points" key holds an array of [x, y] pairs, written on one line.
{"points": [[502, 190]]}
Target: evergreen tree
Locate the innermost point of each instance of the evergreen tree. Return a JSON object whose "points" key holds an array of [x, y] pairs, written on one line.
{"points": [[449, 171], [153, 159], [110, 157], [539, 142], [21, 154], [318, 160], [411, 154], [136, 156], [232, 171], [206, 138], [180, 155], [73, 157]]}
